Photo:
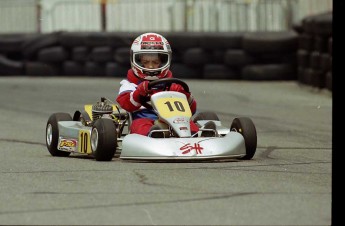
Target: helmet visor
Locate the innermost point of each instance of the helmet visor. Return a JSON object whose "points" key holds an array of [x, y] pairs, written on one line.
{"points": [[151, 61]]}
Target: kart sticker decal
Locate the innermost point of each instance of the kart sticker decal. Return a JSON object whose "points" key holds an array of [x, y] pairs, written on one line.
{"points": [[170, 107], [152, 41], [84, 142], [67, 144], [180, 120], [188, 148]]}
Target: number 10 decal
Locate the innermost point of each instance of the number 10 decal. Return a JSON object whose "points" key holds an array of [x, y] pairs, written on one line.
{"points": [[172, 107], [178, 105], [84, 142]]}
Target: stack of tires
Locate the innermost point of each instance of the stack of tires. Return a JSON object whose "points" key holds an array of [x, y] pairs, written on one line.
{"points": [[11, 55], [202, 56], [303, 54], [80, 54], [266, 56], [314, 52]]}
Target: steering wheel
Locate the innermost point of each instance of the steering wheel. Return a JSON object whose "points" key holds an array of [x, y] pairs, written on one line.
{"points": [[167, 83]]}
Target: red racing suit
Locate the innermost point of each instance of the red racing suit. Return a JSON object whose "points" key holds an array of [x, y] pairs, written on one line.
{"points": [[144, 118]]}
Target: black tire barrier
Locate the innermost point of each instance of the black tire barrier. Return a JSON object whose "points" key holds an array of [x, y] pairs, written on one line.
{"points": [[321, 44], [326, 62], [10, 43], [237, 58], [10, 67], [73, 68], [305, 42], [316, 39], [96, 39], [315, 60], [53, 54], [318, 24], [270, 42], [329, 81], [269, 72], [221, 40], [41, 69], [318, 79], [323, 24], [183, 40], [330, 45], [303, 57], [275, 58], [116, 70], [182, 71], [195, 57], [121, 39], [72, 39], [94, 69], [122, 56], [215, 56], [220, 71], [102, 54], [305, 50], [308, 76], [300, 75], [36, 43], [80, 54]]}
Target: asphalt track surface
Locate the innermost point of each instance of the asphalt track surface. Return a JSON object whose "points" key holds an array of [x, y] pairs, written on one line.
{"points": [[288, 182]]}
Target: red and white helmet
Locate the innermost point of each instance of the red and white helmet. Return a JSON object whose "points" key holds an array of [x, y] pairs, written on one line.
{"points": [[152, 46]]}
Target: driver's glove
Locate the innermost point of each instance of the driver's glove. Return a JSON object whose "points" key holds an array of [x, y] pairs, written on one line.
{"points": [[179, 88], [142, 90]]}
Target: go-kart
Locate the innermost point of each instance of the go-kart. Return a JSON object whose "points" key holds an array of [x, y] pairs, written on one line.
{"points": [[102, 130]]}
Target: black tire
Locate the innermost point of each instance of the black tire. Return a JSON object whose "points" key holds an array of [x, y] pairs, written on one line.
{"points": [[115, 70], [246, 127], [72, 68], [194, 57], [94, 69], [121, 56], [10, 67], [102, 54], [260, 72], [52, 133], [183, 71], [329, 81], [41, 69], [220, 71], [205, 115], [103, 139], [81, 54], [270, 42], [53, 54]]}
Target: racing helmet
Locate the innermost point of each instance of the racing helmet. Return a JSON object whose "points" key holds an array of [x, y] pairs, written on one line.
{"points": [[150, 56]]}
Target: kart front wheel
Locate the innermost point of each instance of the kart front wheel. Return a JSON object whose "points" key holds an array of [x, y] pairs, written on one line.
{"points": [[103, 139], [246, 127], [52, 133]]}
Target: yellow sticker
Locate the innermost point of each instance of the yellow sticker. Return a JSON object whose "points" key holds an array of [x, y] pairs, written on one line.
{"points": [[172, 106], [88, 109], [84, 142]]}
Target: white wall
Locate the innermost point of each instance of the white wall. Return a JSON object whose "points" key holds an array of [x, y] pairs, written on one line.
{"points": [[155, 15]]}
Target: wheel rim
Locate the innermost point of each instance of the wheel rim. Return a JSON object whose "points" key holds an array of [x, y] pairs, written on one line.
{"points": [[49, 134], [94, 139]]}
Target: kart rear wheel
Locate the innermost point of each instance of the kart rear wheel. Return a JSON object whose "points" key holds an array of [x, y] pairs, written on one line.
{"points": [[52, 133], [205, 115], [246, 127], [103, 139]]}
